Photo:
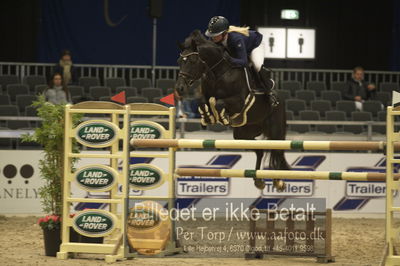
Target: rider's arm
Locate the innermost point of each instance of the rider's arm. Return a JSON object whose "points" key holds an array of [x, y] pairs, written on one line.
{"points": [[240, 52]]}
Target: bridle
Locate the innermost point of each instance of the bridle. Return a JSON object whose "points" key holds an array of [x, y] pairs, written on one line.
{"points": [[188, 77]]}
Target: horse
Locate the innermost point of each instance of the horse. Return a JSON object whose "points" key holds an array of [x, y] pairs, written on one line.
{"points": [[227, 86]]}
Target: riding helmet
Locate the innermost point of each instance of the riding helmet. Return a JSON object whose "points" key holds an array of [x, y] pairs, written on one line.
{"points": [[216, 26]]}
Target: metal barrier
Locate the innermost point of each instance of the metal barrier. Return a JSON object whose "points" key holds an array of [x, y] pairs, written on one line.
{"points": [[170, 72]]}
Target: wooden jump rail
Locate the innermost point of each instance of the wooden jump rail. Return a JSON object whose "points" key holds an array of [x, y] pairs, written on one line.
{"points": [[284, 174], [264, 144]]}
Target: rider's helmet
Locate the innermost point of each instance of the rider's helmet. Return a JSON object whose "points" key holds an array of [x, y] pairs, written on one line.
{"points": [[217, 26]]}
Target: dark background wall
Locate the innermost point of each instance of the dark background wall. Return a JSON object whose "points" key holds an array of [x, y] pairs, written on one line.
{"points": [[349, 33]]}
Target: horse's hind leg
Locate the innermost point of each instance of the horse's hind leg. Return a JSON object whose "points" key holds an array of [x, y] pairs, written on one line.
{"points": [[250, 133], [275, 129]]}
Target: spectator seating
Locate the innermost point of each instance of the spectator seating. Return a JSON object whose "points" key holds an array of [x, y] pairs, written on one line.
{"points": [[295, 105], [346, 106], [137, 99], [321, 106], [291, 86], [114, 83], [339, 86], [16, 89], [336, 115], [98, 91], [305, 95], [283, 95], [39, 89], [32, 81], [358, 116], [140, 83], [129, 91], [380, 128], [373, 107], [23, 101], [165, 84], [151, 93], [384, 97], [332, 96], [317, 87], [87, 82], [5, 100], [76, 91], [8, 79]]}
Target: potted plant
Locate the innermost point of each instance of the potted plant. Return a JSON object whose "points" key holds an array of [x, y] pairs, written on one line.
{"points": [[50, 134]]}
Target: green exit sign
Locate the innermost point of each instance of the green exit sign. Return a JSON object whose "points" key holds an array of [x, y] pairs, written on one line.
{"points": [[289, 14]]}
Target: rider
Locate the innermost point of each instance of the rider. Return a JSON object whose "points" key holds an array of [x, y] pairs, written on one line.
{"points": [[242, 43]]}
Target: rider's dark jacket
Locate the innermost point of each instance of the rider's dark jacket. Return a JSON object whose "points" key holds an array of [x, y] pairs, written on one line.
{"points": [[240, 46]]}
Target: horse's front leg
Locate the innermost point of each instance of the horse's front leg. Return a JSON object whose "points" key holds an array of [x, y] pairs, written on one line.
{"points": [[205, 112], [224, 108]]}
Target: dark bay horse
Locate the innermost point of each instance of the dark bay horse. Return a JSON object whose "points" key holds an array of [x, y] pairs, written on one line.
{"points": [[205, 60]]}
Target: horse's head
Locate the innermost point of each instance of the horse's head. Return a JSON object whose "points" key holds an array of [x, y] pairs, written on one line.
{"points": [[193, 60]]}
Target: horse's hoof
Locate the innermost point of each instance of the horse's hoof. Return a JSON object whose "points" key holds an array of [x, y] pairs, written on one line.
{"points": [[279, 185], [259, 183]]}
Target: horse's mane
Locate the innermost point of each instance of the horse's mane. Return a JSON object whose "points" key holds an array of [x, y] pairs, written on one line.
{"points": [[200, 40]]}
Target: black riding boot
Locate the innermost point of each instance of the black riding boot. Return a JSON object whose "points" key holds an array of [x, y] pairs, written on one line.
{"points": [[269, 85]]}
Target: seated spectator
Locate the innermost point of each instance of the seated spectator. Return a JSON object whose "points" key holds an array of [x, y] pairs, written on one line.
{"points": [[358, 90], [184, 108], [66, 68], [57, 92]]}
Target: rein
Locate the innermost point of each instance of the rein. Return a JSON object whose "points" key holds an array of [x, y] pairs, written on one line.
{"points": [[186, 75]]}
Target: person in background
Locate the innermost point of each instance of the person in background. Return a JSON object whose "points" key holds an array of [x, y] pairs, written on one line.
{"points": [[358, 90], [184, 108], [66, 68], [57, 92]]}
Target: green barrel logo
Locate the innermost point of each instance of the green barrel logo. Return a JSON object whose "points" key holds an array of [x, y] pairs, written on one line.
{"points": [[143, 218], [145, 176], [96, 133], [96, 178], [146, 130], [94, 223]]}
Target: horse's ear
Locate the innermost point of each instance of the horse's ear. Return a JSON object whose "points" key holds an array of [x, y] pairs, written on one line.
{"points": [[194, 45], [181, 46]]}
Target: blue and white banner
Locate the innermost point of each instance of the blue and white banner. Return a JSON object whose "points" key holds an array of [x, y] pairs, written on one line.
{"points": [[20, 181]]}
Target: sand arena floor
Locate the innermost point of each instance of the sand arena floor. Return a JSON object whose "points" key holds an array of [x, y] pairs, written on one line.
{"points": [[354, 241]]}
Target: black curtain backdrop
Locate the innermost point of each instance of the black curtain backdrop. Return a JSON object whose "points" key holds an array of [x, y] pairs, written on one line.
{"points": [[122, 33], [348, 33], [19, 20]]}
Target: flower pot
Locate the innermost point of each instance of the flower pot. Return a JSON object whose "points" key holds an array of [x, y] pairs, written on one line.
{"points": [[76, 237], [52, 241]]}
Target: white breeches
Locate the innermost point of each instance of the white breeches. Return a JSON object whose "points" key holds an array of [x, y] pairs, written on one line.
{"points": [[257, 56]]}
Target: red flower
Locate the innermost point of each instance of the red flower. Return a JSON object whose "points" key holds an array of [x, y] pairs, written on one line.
{"points": [[50, 222]]}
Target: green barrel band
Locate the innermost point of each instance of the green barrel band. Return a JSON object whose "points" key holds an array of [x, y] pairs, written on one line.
{"points": [[335, 175], [296, 145], [250, 173], [209, 143]]}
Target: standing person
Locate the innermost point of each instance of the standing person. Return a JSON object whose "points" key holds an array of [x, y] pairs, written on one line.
{"points": [[57, 93], [66, 68], [241, 44], [358, 90]]}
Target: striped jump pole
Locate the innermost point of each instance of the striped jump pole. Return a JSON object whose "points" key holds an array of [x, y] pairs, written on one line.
{"points": [[264, 144], [283, 174]]}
